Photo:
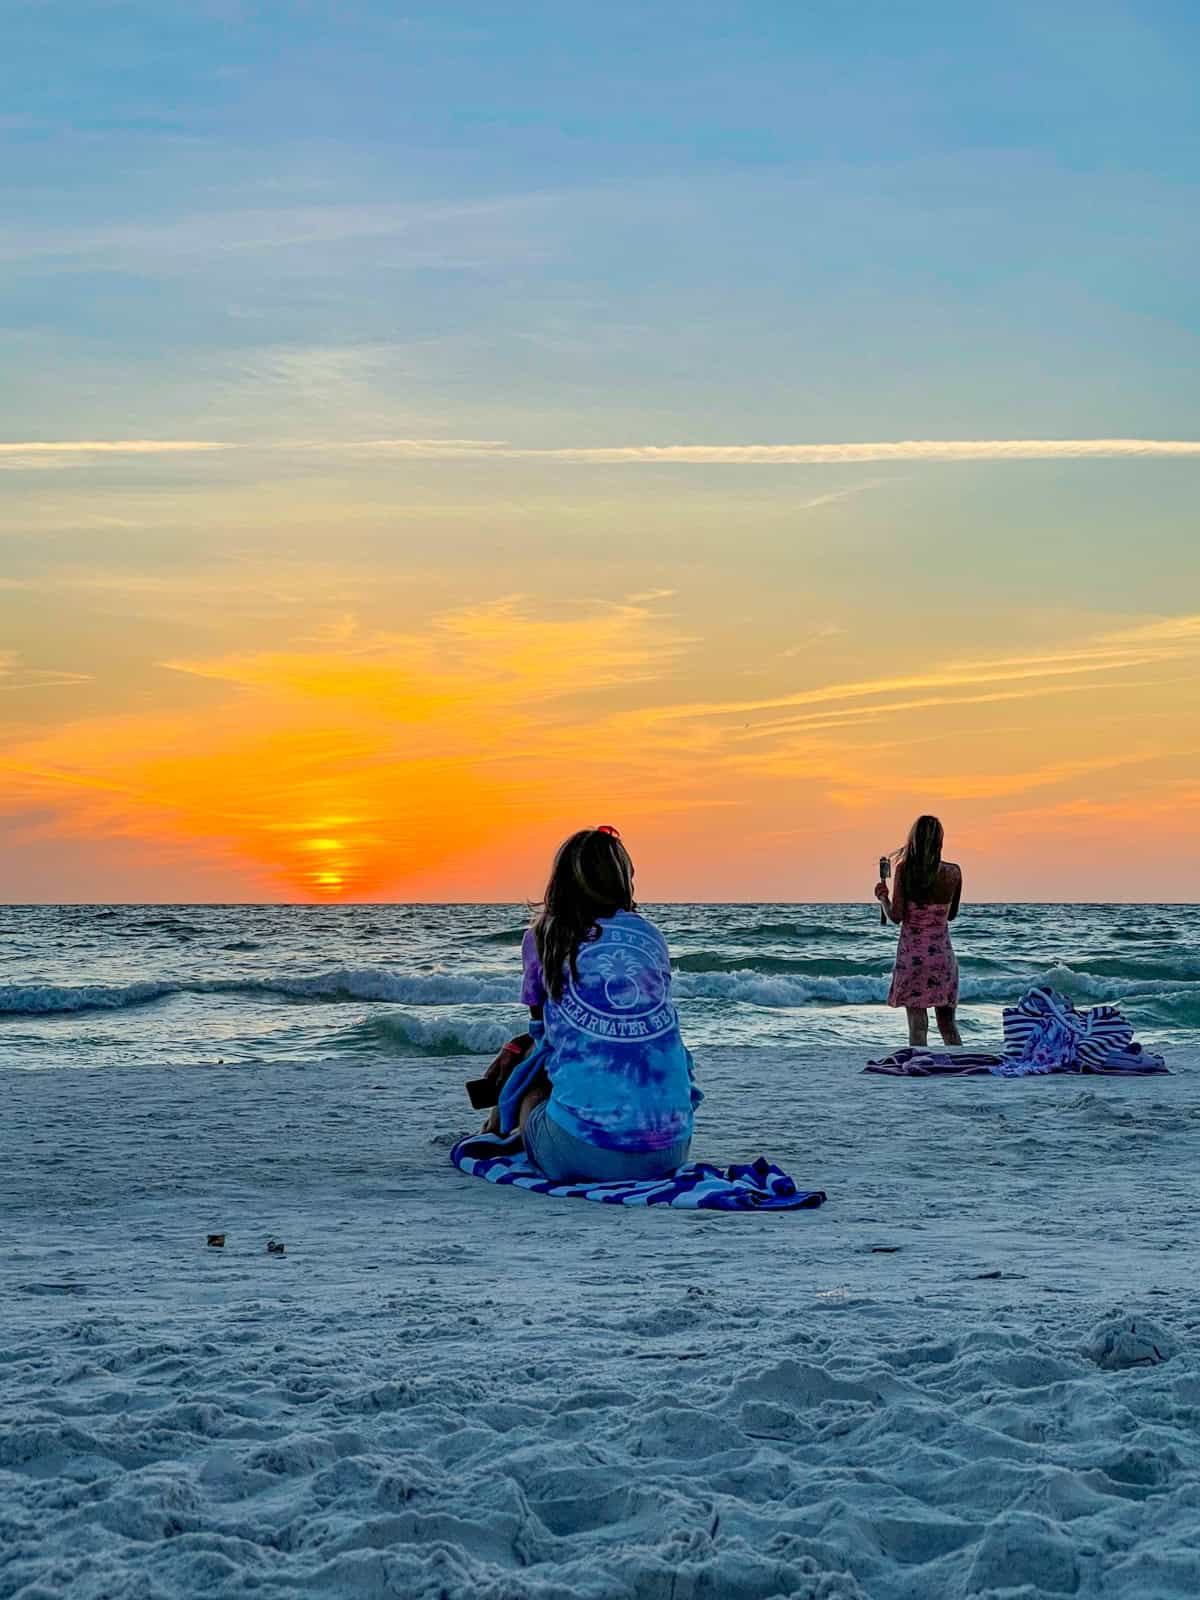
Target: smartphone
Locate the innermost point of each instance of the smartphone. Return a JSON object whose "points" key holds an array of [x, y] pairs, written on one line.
{"points": [[483, 1092], [885, 872]]}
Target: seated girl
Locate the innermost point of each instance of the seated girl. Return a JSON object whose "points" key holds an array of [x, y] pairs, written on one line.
{"points": [[617, 1096]]}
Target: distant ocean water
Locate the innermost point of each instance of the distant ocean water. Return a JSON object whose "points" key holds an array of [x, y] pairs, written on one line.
{"points": [[94, 986]]}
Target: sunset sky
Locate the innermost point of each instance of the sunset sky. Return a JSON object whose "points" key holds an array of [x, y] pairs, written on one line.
{"points": [[426, 430]]}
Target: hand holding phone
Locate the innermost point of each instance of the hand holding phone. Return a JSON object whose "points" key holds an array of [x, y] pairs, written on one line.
{"points": [[885, 872]]}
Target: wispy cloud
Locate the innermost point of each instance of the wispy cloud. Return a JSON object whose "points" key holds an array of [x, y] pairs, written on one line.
{"points": [[34, 677], [847, 716], [751, 455], [950, 677], [819, 739], [685, 455], [107, 447], [464, 234], [784, 454]]}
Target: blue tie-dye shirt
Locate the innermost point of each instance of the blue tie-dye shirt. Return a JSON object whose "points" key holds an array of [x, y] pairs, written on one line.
{"points": [[619, 1073]]}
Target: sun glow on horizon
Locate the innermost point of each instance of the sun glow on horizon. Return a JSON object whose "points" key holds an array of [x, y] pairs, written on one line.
{"points": [[374, 765]]}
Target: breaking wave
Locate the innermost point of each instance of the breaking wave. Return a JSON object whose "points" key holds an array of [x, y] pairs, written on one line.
{"points": [[416, 989], [428, 1036], [799, 966], [1164, 990], [1175, 1001]]}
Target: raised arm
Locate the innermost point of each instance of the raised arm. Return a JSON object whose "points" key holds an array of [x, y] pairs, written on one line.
{"points": [[956, 898], [894, 904]]}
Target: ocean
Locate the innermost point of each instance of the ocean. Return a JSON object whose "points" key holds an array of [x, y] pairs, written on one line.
{"points": [[246, 985]]}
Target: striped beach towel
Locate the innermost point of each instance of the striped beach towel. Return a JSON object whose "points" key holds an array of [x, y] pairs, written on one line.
{"points": [[910, 1062], [1044, 1023], [917, 1061], [1043, 1034], [757, 1186]]}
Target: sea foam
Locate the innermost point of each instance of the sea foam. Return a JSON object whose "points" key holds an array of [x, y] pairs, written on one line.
{"points": [[1172, 999]]}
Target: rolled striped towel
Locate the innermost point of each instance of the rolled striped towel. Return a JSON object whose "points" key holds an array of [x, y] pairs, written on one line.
{"points": [[1096, 1034]]}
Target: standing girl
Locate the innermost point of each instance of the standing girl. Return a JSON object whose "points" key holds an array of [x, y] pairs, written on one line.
{"points": [[617, 1096], [924, 902]]}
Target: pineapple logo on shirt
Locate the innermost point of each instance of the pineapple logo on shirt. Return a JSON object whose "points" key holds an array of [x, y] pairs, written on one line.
{"points": [[621, 991]]}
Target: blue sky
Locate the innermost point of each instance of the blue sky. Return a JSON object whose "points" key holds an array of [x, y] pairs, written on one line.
{"points": [[795, 221]]}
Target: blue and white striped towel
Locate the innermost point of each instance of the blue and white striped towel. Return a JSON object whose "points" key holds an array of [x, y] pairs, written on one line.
{"points": [[695, 1187], [1045, 1031]]}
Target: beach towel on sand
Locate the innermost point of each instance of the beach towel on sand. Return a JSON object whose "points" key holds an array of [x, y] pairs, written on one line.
{"points": [[913, 1062], [1043, 1034], [695, 1187], [918, 1062], [1046, 1032]]}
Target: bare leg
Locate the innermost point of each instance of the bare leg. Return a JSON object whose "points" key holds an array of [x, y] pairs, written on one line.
{"points": [[918, 1025], [538, 1091], [947, 1025]]}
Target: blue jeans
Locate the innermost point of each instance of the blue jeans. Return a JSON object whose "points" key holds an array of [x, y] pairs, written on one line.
{"points": [[566, 1159]]}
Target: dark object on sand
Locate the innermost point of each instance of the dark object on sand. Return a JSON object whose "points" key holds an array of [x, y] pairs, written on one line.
{"points": [[275, 1247], [484, 1092], [216, 1241]]}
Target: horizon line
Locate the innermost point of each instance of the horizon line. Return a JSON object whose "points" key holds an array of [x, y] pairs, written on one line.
{"points": [[866, 904]]}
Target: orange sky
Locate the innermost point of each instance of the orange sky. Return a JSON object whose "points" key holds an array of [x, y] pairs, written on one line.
{"points": [[268, 723]]}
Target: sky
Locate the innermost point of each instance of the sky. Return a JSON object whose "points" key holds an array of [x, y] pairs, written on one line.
{"points": [[427, 430]]}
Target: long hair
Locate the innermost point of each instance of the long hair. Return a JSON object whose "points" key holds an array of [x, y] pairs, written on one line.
{"points": [[922, 860], [592, 877]]}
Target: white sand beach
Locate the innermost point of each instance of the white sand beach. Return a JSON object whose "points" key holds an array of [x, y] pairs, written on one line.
{"points": [[444, 1389]]}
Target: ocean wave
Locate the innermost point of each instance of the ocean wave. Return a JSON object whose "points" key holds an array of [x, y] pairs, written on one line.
{"points": [[176, 925], [32, 1000], [1173, 1002], [396, 1034], [1145, 969], [1171, 998], [512, 936], [1149, 933], [368, 984], [800, 966], [765, 989], [792, 930]]}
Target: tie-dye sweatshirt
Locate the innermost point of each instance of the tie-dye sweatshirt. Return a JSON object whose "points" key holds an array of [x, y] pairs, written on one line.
{"points": [[619, 1073]]}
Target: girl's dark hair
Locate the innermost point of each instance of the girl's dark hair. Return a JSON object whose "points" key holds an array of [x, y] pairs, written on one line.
{"points": [[592, 877], [922, 860]]}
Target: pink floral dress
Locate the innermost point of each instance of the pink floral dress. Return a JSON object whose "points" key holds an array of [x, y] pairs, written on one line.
{"points": [[926, 971]]}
